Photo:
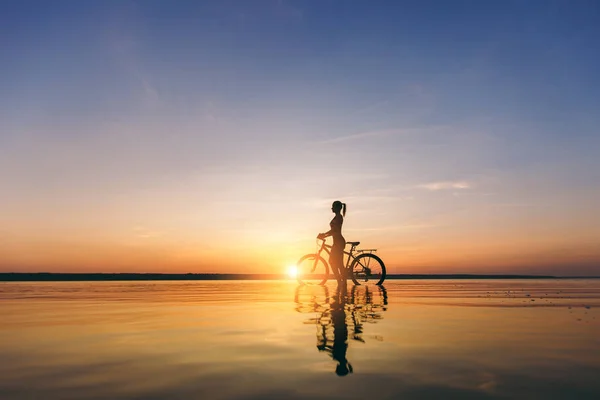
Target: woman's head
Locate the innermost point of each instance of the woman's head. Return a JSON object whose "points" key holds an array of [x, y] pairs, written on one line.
{"points": [[338, 207], [343, 368]]}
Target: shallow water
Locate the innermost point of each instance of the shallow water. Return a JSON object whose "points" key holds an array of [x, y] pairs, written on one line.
{"points": [[266, 339]]}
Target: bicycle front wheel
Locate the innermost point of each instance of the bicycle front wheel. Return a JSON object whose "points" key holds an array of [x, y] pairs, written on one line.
{"points": [[312, 269], [367, 268]]}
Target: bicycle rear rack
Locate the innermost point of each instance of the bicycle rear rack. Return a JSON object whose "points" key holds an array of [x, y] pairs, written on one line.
{"points": [[370, 251]]}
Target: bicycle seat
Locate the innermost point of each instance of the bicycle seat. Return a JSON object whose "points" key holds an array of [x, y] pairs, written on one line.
{"points": [[353, 243]]}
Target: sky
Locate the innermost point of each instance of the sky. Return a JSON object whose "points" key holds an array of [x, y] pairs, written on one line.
{"points": [[212, 136]]}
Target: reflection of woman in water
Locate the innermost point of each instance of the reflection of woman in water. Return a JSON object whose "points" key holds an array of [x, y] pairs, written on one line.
{"points": [[340, 317], [340, 333], [335, 317], [336, 258]]}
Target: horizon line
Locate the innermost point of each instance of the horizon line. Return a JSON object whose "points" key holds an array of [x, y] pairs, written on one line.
{"points": [[157, 276]]}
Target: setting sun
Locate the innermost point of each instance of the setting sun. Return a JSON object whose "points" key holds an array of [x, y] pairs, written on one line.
{"points": [[292, 271]]}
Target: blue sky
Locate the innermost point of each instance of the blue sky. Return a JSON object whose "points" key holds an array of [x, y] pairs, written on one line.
{"points": [[462, 126]]}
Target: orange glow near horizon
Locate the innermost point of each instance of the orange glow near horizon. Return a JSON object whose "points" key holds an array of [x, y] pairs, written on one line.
{"points": [[402, 254], [173, 229]]}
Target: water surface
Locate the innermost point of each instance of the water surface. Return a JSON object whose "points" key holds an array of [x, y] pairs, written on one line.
{"points": [[268, 339]]}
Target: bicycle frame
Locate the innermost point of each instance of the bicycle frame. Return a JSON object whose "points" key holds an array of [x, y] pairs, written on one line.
{"points": [[350, 254]]}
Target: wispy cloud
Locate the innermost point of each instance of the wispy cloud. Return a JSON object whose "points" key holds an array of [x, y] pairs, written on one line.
{"points": [[358, 136], [393, 228], [151, 95], [512, 205], [125, 45], [445, 185], [142, 232], [288, 11], [372, 107]]}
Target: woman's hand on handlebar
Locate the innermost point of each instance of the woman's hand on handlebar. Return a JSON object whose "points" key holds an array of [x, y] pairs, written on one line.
{"points": [[321, 236]]}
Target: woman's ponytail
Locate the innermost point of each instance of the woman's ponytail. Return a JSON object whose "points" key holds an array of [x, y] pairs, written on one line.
{"points": [[344, 209]]}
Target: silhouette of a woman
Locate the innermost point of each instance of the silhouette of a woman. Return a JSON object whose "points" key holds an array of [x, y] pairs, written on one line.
{"points": [[336, 258]]}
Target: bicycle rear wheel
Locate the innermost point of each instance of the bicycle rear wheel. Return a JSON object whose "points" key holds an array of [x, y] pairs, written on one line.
{"points": [[368, 268], [312, 269]]}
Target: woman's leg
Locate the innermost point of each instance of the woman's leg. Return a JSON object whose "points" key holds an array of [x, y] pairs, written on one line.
{"points": [[333, 263], [337, 258], [342, 270]]}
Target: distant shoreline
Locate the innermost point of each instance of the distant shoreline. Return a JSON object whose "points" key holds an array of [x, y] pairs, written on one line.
{"points": [[57, 277]]}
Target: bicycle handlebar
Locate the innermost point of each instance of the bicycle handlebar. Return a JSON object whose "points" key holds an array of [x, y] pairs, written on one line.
{"points": [[353, 244]]}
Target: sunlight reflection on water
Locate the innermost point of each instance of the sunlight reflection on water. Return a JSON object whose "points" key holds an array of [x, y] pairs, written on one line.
{"points": [[265, 339]]}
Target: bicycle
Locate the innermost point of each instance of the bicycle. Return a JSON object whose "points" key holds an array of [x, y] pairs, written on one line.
{"points": [[365, 266]]}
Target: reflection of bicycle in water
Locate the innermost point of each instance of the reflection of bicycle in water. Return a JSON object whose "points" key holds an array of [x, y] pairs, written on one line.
{"points": [[340, 317], [361, 266]]}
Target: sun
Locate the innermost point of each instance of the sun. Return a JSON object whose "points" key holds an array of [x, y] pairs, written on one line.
{"points": [[292, 271]]}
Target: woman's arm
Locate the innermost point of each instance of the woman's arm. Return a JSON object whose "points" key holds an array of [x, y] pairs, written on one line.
{"points": [[324, 235]]}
